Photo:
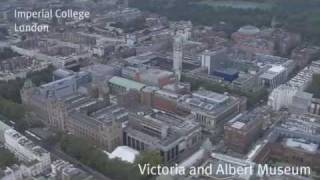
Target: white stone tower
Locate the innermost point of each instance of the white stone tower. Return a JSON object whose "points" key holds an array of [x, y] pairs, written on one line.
{"points": [[177, 56]]}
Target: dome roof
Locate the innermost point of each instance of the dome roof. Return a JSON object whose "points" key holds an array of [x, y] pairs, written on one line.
{"points": [[249, 30]]}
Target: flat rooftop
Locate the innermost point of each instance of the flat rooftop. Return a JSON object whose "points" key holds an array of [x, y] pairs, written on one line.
{"points": [[302, 144], [149, 128], [128, 84], [208, 102]]}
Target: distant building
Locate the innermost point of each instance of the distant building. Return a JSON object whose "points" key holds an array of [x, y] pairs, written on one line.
{"points": [[250, 39], [274, 76], [210, 60], [228, 74], [149, 76], [177, 56], [301, 103], [304, 55], [100, 72], [245, 33], [119, 85], [182, 28]]}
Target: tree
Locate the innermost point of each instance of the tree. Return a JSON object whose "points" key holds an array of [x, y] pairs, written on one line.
{"points": [[41, 77], [96, 159], [7, 158], [314, 87], [149, 157]]}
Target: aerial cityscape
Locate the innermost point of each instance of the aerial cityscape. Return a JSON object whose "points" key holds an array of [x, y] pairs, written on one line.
{"points": [[159, 90]]}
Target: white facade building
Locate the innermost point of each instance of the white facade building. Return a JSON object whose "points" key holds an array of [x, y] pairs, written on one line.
{"points": [[281, 97], [177, 56], [211, 59], [35, 158], [274, 76]]}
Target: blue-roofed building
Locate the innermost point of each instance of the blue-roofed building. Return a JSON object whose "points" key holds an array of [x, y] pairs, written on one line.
{"points": [[227, 74]]}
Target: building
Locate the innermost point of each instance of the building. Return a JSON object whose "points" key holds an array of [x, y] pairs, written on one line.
{"points": [[98, 121], [182, 28], [315, 106], [274, 76], [228, 74], [19, 67], [243, 130], [65, 171], [282, 96], [294, 141], [119, 85], [304, 55], [61, 73], [66, 86], [315, 66], [70, 173], [256, 45], [148, 76], [210, 60], [178, 56], [173, 136], [245, 33], [37, 98], [301, 102], [211, 109], [217, 159], [165, 100], [36, 158], [59, 109], [14, 172], [100, 72]]}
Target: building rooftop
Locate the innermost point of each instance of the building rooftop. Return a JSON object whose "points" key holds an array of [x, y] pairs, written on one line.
{"points": [[305, 127], [246, 120], [100, 71], [161, 129], [301, 144], [141, 59], [207, 101], [98, 113], [249, 30], [210, 96], [277, 69], [129, 84]]}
